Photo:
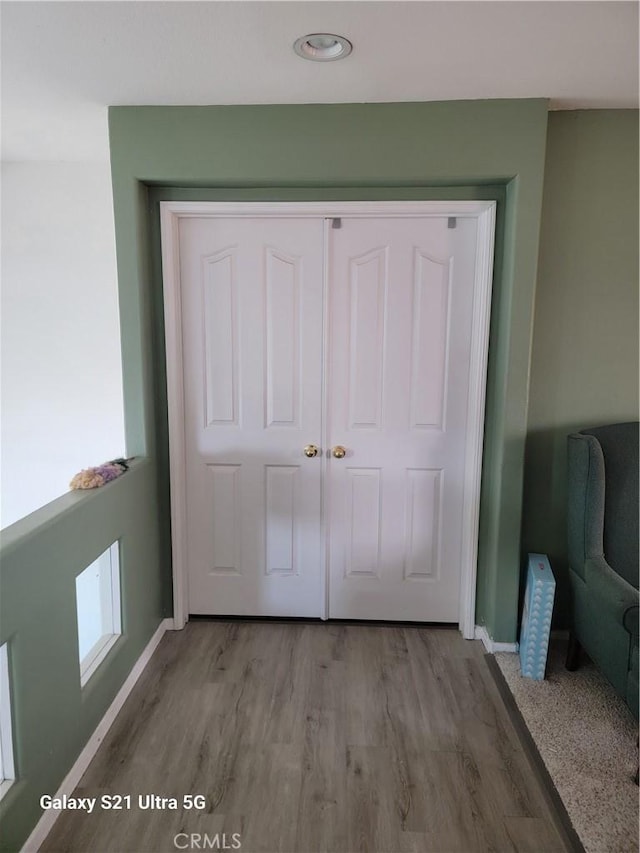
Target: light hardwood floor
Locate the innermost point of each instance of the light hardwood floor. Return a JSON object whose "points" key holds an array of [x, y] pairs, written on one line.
{"points": [[309, 737]]}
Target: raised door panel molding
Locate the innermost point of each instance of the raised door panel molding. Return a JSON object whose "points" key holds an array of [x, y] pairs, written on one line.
{"points": [[283, 366], [281, 518], [226, 519], [431, 296], [220, 313], [424, 514], [368, 292], [363, 519]]}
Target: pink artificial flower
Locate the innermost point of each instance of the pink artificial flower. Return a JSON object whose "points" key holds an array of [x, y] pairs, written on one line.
{"points": [[88, 478]]}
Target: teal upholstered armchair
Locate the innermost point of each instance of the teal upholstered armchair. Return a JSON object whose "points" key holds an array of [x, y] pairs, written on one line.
{"points": [[603, 553]]}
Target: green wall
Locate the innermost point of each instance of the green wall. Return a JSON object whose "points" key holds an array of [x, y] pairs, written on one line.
{"points": [[491, 149], [584, 370], [585, 346], [53, 717], [347, 151]]}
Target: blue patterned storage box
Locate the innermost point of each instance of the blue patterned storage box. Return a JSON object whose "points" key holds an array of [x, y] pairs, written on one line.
{"points": [[536, 617]]}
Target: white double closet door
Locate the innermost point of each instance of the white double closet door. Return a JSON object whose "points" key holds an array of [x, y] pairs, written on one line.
{"points": [[298, 333]]}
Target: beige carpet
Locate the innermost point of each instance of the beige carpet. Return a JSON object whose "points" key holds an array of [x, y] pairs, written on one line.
{"points": [[586, 737]]}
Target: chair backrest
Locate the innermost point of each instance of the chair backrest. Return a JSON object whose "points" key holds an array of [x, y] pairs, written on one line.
{"points": [[619, 445]]}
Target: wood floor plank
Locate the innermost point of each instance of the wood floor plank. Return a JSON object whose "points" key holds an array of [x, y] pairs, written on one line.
{"points": [[451, 807], [441, 718], [322, 805], [531, 834], [316, 738], [487, 734]]}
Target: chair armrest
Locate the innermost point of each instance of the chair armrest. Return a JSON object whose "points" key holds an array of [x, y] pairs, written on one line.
{"points": [[631, 621], [613, 594]]}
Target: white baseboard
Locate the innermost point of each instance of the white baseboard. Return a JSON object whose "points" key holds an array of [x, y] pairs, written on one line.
{"points": [[490, 645], [71, 780]]}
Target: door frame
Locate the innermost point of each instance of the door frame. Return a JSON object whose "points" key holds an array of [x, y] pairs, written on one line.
{"points": [[483, 211]]}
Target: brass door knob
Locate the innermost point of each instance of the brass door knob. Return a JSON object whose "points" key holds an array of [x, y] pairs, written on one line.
{"points": [[311, 450], [339, 452]]}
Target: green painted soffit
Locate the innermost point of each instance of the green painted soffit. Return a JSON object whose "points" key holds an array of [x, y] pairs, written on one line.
{"points": [[344, 151]]}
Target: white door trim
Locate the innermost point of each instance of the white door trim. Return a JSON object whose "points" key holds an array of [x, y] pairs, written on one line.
{"points": [[482, 211]]}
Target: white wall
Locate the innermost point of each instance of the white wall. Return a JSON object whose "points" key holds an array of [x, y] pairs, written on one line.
{"points": [[61, 369]]}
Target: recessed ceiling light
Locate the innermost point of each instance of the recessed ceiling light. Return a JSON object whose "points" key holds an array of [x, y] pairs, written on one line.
{"points": [[322, 47]]}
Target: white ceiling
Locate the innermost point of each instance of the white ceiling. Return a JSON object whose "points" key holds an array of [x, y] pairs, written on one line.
{"points": [[64, 62]]}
